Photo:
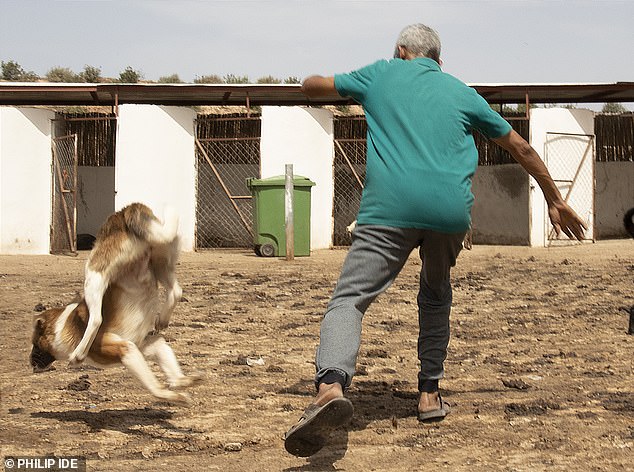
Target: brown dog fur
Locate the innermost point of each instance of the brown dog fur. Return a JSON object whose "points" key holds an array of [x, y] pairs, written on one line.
{"points": [[129, 254]]}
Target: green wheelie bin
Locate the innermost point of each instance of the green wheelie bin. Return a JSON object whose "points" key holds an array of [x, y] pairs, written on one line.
{"points": [[269, 215]]}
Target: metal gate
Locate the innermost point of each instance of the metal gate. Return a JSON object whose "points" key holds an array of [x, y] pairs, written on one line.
{"points": [[349, 174], [227, 153], [570, 161], [64, 212]]}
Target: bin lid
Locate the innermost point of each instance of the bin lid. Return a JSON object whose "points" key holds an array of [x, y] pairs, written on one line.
{"points": [[279, 181]]}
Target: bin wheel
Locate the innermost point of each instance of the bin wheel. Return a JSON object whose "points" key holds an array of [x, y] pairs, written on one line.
{"points": [[256, 249], [267, 250]]}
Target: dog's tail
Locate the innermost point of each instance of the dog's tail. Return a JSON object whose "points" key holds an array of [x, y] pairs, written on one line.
{"points": [[142, 222], [166, 232]]}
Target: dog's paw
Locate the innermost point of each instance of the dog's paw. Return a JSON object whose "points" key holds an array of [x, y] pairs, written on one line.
{"points": [[76, 358], [179, 398], [184, 399], [187, 381]]}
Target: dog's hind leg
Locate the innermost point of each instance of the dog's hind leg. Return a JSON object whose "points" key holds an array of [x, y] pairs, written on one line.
{"points": [[129, 355], [95, 286], [157, 349]]}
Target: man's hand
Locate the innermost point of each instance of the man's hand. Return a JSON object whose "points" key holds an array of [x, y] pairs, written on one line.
{"points": [[561, 215], [565, 219]]}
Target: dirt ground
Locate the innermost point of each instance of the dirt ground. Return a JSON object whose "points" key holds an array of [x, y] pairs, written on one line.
{"points": [[539, 373]]}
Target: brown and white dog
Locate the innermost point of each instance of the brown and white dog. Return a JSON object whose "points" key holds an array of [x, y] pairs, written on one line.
{"points": [[122, 308]]}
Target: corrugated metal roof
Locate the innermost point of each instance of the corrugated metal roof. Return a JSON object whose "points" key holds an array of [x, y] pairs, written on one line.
{"points": [[22, 93]]}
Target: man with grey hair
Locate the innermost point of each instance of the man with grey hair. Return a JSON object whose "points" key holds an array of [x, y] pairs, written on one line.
{"points": [[420, 40], [420, 159]]}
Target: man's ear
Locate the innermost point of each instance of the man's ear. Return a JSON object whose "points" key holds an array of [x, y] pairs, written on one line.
{"points": [[402, 52]]}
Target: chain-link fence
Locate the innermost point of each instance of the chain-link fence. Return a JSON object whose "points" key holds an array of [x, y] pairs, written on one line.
{"points": [[349, 173], [570, 161], [64, 211], [227, 153]]}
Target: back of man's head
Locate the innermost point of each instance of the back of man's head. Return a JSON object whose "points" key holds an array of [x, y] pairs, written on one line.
{"points": [[420, 41]]}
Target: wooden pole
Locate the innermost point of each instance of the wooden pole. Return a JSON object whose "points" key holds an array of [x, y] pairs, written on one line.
{"points": [[288, 213]]}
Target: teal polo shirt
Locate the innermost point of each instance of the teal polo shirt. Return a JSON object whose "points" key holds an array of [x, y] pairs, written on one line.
{"points": [[421, 153]]}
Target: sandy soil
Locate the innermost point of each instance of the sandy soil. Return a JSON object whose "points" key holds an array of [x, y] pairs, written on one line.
{"points": [[539, 374]]}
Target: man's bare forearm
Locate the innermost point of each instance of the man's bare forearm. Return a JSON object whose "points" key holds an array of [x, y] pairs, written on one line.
{"points": [[318, 86], [528, 158]]}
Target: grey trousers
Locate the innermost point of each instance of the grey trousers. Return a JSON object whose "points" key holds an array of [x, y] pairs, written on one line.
{"points": [[375, 258]]}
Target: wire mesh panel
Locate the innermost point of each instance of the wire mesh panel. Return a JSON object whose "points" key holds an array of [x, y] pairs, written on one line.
{"points": [[64, 212], [349, 174], [228, 152], [570, 161]]}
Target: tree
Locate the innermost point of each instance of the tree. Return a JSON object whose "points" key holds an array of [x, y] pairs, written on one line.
{"points": [[613, 108], [170, 79], [62, 74], [209, 79], [14, 72], [130, 76], [269, 79], [235, 79], [91, 74]]}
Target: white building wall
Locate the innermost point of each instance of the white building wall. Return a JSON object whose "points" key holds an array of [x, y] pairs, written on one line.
{"points": [[25, 180], [303, 137], [552, 120], [155, 162]]}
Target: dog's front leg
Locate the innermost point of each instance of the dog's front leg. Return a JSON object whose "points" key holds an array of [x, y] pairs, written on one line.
{"points": [[95, 286]]}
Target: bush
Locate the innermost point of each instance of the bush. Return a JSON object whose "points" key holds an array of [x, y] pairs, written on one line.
{"points": [[130, 76], [14, 72], [292, 80], [269, 79], [91, 74], [209, 79], [62, 74], [170, 79], [235, 79], [613, 108]]}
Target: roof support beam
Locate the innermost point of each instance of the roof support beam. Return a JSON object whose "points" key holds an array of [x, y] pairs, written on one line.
{"points": [[18, 93]]}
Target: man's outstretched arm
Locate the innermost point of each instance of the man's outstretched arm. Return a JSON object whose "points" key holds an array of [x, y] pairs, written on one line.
{"points": [[562, 216], [317, 86]]}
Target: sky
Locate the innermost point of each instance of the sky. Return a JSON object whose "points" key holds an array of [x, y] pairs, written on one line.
{"points": [[483, 41]]}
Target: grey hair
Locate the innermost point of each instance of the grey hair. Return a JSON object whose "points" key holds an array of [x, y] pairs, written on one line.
{"points": [[420, 40]]}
